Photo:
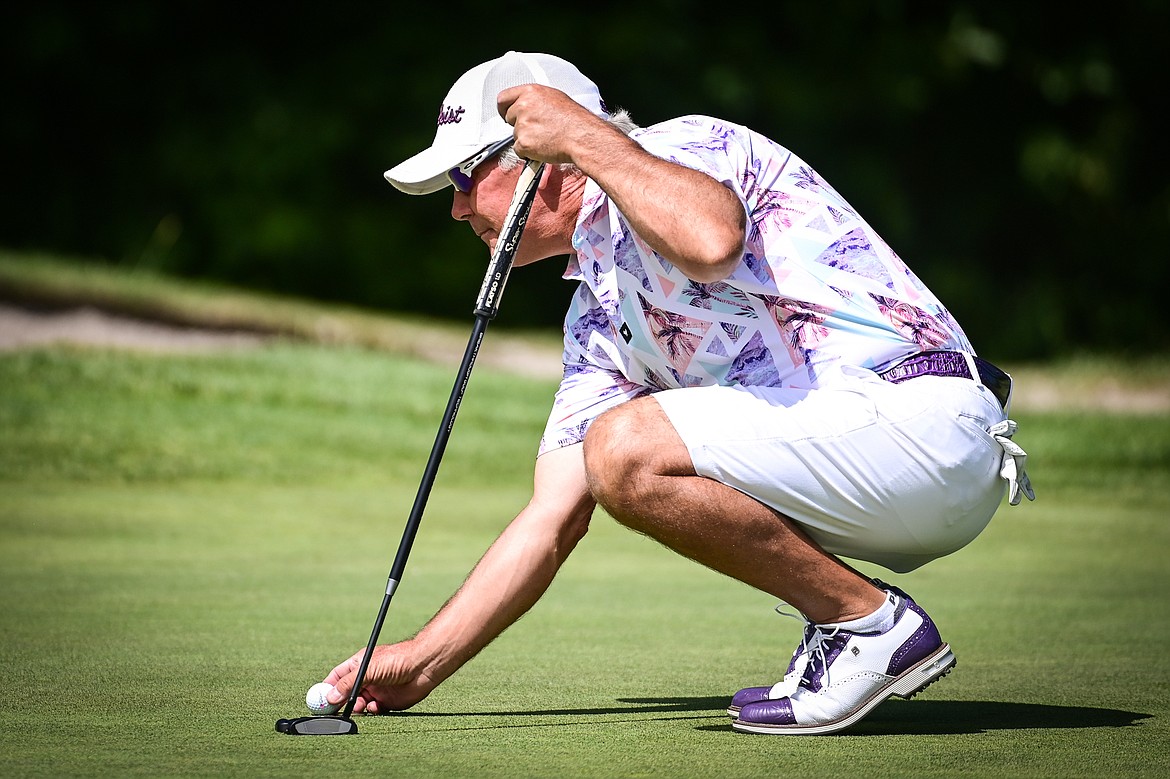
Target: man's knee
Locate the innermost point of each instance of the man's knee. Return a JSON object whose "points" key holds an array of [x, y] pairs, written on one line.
{"points": [[627, 447], [608, 451]]}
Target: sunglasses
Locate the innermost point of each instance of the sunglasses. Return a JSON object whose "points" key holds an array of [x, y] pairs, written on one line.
{"points": [[460, 176]]}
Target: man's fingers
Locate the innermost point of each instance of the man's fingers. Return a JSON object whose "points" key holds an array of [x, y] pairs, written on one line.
{"points": [[504, 101], [341, 689], [342, 677], [386, 686]]}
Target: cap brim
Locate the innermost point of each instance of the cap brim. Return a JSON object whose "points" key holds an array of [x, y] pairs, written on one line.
{"points": [[426, 172]]}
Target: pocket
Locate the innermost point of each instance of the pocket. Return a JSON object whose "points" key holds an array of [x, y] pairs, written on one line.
{"points": [[978, 428]]}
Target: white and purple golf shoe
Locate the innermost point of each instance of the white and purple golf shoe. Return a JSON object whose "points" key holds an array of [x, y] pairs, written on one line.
{"points": [[843, 675]]}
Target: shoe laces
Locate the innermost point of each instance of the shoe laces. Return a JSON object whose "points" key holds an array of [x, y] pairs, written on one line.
{"points": [[821, 640], [806, 633], [815, 642]]}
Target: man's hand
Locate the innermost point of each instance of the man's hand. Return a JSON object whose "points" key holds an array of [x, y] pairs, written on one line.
{"points": [[394, 680], [550, 125]]}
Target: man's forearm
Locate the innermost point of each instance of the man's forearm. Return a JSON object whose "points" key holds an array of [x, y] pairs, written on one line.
{"points": [[511, 576], [686, 216]]}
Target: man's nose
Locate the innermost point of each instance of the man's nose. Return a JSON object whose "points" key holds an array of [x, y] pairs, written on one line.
{"points": [[460, 206]]}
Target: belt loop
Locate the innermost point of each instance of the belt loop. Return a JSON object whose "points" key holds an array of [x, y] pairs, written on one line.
{"points": [[970, 358]]}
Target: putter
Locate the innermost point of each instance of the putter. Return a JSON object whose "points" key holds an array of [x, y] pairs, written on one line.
{"points": [[486, 306]]}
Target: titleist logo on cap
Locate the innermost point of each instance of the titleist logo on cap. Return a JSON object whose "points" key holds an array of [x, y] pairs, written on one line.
{"points": [[449, 115]]}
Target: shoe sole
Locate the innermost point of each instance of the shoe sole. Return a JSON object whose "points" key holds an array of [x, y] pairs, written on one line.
{"points": [[910, 683]]}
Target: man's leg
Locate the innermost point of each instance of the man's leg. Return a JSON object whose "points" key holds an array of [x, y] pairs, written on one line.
{"points": [[863, 643], [641, 473]]}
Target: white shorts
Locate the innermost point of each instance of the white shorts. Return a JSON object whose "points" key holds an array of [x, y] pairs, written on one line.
{"points": [[894, 474]]}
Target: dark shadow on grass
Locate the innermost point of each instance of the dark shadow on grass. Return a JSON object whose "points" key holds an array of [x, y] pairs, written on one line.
{"points": [[894, 717], [709, 705], [638, 710], [938, 718]]}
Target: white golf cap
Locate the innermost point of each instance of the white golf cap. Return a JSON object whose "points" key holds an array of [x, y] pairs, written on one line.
{"points": [[469, 121]]}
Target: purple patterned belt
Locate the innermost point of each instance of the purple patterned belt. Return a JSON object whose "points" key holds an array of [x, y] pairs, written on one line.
{"points": [[952, 364]]}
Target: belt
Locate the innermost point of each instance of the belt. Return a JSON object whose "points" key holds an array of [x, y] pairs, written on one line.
{"points": [[951, 364]]}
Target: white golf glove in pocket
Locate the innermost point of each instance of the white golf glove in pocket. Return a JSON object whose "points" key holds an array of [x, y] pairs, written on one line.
{"points": [[1014, 458]]}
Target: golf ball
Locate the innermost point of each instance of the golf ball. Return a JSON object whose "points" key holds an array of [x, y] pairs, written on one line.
{"points": [[316, 701]]}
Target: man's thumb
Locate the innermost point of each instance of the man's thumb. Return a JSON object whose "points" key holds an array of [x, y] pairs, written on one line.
{"points": [[341, 689]]}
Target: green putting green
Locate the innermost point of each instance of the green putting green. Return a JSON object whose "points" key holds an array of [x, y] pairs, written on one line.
{"points": [[190, 542]]}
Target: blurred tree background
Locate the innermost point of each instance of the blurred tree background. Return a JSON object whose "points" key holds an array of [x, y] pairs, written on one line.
{"points": [[1013, 153]]}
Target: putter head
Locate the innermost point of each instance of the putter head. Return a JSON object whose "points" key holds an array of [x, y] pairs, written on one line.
{"points": [[317, 726]]}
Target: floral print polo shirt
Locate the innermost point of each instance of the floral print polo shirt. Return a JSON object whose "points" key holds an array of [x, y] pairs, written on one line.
{"points": [[817, 288]]}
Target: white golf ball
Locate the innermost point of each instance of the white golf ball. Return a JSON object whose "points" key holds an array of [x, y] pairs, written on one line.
{"points": [[315, 699]]}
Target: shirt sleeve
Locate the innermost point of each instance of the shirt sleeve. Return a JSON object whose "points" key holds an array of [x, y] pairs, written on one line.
{"points": [[585, 393], [704, 144]]}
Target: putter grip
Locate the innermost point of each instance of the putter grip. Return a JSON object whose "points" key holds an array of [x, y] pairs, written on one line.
{"points": [[488, 301]]}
